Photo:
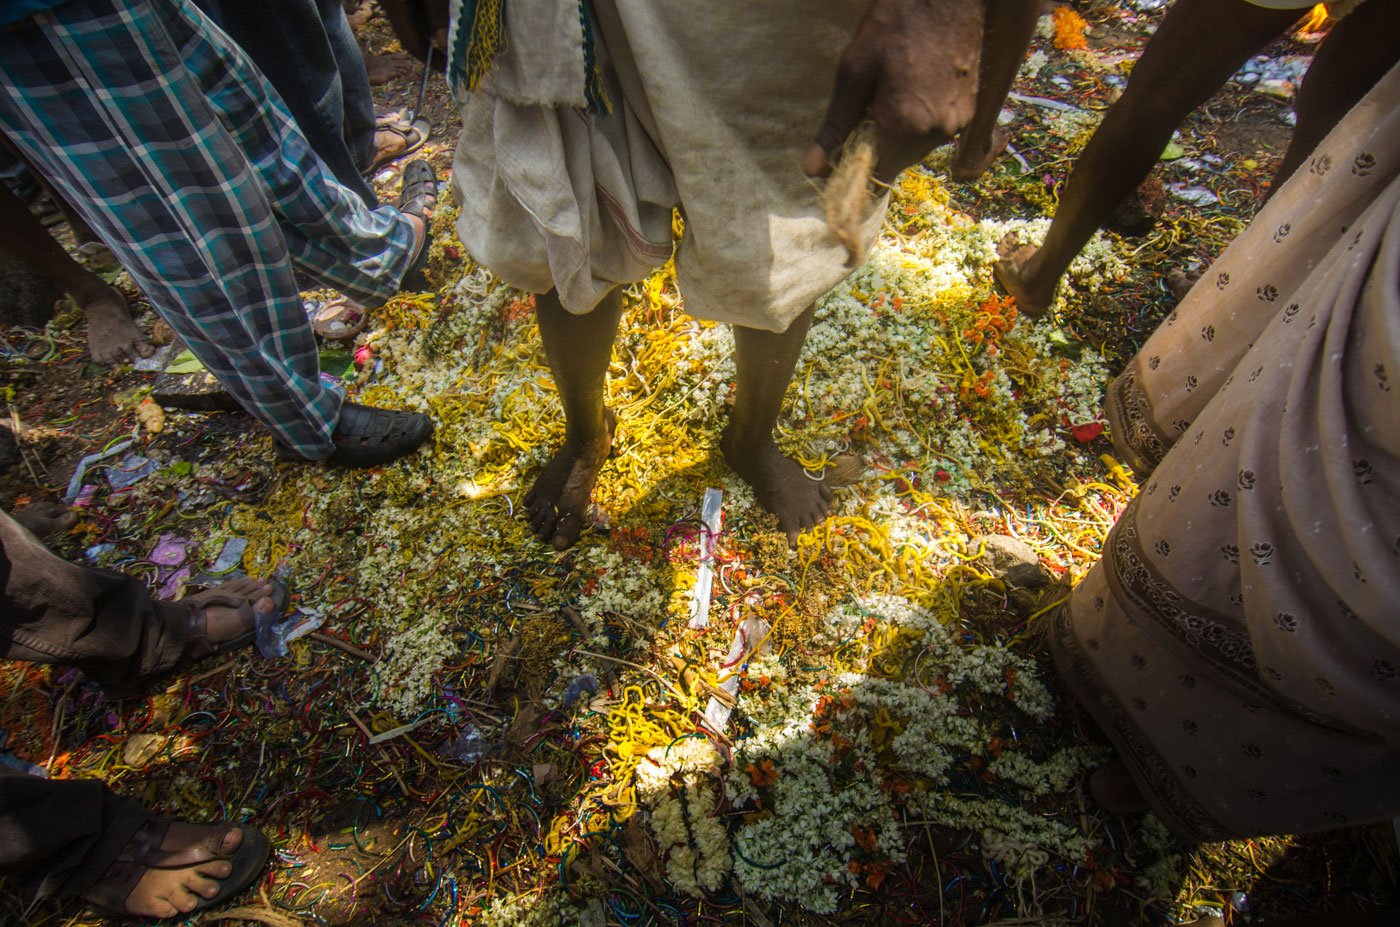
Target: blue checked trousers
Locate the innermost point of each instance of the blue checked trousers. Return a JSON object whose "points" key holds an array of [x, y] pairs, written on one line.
{"points": [[169, 142]]}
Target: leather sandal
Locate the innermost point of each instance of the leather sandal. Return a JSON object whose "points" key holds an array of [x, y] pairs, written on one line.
{"points": [[197, 643], [369, 437], [418, 198], [143, 853]]}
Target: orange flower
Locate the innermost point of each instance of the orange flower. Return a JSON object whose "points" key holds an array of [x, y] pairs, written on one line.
{"points": [[875, 873], [763, 773], [1069, 29]]}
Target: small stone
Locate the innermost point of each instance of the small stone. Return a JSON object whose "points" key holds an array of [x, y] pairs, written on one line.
{"points": [[192, 392], [1025, 576], [1011, 560], [1000, 552], [140, 749]]}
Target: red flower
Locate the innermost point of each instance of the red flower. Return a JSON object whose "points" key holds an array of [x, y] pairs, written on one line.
{"points": [[1087, 432]]}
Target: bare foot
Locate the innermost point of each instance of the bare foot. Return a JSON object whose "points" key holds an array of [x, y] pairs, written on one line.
{"points": [[113, 337], [361, 14], [42, 519], [384, 68], [1113, 788], [1012, 272], [969, 164], [559, 502], [780, 485], [1180, 282]]}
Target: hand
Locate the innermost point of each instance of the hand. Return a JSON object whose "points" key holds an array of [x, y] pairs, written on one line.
{"points": [[912, 69]]}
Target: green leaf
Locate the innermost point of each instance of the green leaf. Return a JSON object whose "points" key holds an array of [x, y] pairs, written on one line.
{"points": [[337, 363], [184, 362], [1172, 151]]}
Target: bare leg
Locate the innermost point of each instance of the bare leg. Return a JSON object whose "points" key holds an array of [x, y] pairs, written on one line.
{"points": [[579, 348], [1198, 46], [764, 362], [112, 336], [1355, 55], [1010, 25]]}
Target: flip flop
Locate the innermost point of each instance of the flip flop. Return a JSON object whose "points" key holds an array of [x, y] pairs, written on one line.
{"points": [[414, 134], [197, 643], [143, 853]]}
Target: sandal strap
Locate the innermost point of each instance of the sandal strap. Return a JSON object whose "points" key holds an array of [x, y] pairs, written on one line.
{"points": [[143, 852], [197, 645], [419, 190]]}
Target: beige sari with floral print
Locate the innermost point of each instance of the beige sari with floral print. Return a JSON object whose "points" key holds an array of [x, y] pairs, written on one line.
{"points": [[1240, 639]]}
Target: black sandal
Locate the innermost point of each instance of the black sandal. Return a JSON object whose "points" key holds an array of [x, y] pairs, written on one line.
{"points": [[142, 852], [369, 437], [418, 197]]}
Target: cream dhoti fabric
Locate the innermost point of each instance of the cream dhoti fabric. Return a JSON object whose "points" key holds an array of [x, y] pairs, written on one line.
{"points": [[713, 106], [1240, 639]]}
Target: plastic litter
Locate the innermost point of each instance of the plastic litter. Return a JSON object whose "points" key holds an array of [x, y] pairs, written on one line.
{"points": [[132, 469], [711, 516], [75, 485], [752, 633], [170, 551], [1196, 196], [97, 551], [585, 684], [394, 732], [274, 636], [467, 747], [230, 556]]}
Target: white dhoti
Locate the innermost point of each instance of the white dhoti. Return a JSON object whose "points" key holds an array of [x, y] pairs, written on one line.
{"points": [[712, 107]]}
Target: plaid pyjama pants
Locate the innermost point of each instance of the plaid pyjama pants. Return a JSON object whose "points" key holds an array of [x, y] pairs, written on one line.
{"points": [[169, 142]]}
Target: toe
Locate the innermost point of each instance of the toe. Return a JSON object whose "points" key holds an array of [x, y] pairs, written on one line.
{"points": [[184, 900], [825, 491], [201, 886], [216, 869], [566, 534]]}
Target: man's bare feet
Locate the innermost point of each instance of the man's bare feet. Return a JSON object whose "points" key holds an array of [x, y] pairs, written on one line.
{"points": [[113, 337], [780, 485], [384, 68], [42, 519], [558, 504], [971, 160], [171, 868], [1180, 282], [358, 13], [1113, 788], [1013, 272]]}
